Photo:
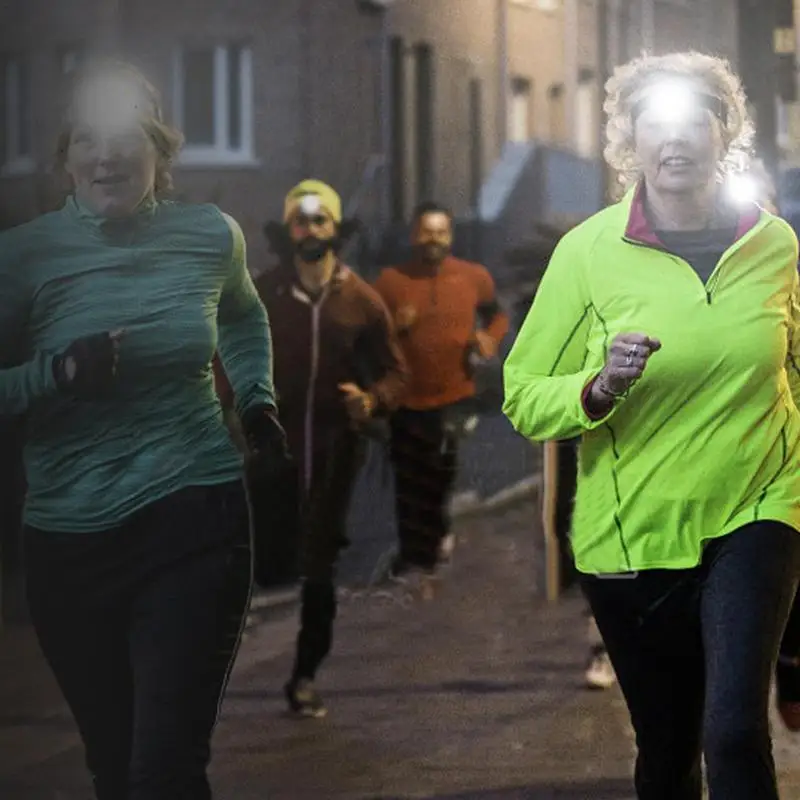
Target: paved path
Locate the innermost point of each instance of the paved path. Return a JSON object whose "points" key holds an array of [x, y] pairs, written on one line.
{"points": [[475, 695]]}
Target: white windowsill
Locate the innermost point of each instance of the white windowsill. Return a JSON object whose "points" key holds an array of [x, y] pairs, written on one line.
{"points": [[202, 158], [18, 166]]}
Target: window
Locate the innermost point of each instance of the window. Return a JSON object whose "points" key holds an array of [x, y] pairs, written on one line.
{"points": [[16, 134], [519, 110], [783, 124], [539, 5], [214, 104], [556, 98], [585, 125]]}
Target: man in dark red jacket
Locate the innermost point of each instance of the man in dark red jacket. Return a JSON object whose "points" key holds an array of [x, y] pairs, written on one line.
{"points": [[337, 367]]}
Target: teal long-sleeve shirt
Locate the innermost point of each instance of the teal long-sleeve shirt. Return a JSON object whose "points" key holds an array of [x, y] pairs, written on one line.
{"points": [[174, 279]]}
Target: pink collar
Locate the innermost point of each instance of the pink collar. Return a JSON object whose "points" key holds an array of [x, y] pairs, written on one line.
{"points": [[639, 229]]}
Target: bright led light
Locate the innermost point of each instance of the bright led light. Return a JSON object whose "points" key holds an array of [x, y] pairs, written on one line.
{"points": [[742, 187], [111, 103], [672, 101], [310, 204], [676, 100]]}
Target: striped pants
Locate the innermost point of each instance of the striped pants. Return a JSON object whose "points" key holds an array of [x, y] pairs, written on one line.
{"points": [[425, 461]]}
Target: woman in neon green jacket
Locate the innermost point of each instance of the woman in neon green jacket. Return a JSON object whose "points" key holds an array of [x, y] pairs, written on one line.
{"points": [[664, 334]]}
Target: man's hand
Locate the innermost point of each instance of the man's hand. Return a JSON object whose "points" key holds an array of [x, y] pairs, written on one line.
{"points": [[626, 362], [487, 346], [359, 404], [405, 318], [88, 367]]}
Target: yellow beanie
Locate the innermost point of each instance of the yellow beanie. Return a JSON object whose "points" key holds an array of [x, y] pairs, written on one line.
{"points": [[318, 192]]}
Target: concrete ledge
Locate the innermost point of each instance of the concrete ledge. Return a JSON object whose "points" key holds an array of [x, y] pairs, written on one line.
{"points": [[469, 503], [465, 504]]}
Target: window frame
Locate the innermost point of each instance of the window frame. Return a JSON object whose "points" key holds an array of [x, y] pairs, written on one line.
{"points": [[220, 153], [12, 160]]}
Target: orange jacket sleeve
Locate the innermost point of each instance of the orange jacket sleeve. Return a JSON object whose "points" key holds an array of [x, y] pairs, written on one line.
{"points": [[495, 320]]}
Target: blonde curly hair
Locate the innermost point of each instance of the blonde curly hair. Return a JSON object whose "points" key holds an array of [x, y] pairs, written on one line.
{"points": [[737, 131]]}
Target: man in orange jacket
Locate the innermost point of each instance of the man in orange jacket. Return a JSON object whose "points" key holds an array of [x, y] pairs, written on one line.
{"points": [[446, 313]]}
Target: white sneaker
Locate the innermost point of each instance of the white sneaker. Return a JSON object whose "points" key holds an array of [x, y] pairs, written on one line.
{"points": [[600, 672], [446, 548]]}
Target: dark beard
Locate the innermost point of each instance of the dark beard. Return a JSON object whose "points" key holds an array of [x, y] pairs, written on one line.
{"points": [[311, 249], [432, 253]]}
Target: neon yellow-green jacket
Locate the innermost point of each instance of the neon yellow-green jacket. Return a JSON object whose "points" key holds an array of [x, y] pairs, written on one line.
{"points": [[709, 439]]}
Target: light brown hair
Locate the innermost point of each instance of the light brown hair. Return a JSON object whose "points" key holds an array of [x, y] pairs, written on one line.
{"points": [[166, 139]]}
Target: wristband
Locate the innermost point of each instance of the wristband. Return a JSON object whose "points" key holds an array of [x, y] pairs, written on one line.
{"points": [[602, 385]]}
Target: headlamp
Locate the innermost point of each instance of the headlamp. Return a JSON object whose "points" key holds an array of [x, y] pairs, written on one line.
{"points": [[676, 100], [112, 103], [310, 204], [743, 187]]}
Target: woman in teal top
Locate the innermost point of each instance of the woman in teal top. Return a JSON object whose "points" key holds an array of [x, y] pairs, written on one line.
{"points": [[137, 529]]}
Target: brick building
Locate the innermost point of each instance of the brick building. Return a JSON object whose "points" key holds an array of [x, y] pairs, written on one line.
{"points": [[270, 91], [267, 93]]}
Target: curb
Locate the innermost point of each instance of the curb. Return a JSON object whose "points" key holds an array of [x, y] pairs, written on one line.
{"points": [[467, 504], [269, 599], [267, 605]]}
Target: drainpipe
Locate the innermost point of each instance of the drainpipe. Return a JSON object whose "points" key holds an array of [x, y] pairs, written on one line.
{"points": [[648, 26], [382, 43], [386, 118], [502, 75], [602, 78], [110, 24], [571, 26]]}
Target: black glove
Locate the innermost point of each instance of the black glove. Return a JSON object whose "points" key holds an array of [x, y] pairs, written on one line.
{"points": [[88, 367], [263, 433]]}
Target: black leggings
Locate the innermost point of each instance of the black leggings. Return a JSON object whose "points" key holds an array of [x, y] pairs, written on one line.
{"points": [[326, 508], [790, 644], [140, 625], [694, 652]]}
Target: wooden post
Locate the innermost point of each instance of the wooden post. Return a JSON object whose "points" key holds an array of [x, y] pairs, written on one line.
{"points": [[552, 548]]}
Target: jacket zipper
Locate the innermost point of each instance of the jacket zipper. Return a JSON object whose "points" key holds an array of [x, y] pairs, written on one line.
{"points": [[708, 286], [310, 394]]}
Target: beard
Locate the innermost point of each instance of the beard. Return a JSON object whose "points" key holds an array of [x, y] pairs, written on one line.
{"points": [[312, 249], [432, 253]]}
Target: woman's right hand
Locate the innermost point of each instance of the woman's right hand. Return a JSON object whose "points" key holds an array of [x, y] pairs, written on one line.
{"points": [[264, 434], [88, 367], [626, 362]]}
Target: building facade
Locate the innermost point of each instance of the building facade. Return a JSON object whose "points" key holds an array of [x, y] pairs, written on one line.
{"points": [[391, 106]]}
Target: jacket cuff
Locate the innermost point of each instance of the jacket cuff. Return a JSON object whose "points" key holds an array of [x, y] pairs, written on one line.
{"points": [[591, 419]]}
